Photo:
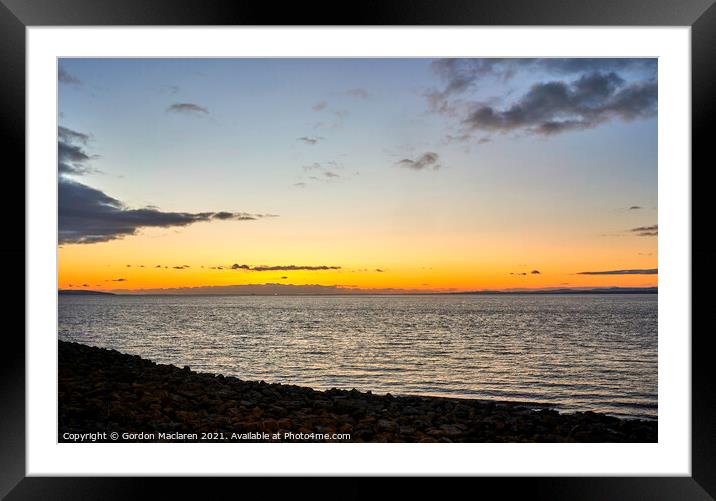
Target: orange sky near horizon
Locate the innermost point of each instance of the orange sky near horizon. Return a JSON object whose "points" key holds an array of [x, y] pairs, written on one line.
{"points": [[428, 262]]}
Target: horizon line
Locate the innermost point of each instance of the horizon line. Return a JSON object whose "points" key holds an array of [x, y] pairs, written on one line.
{"points": [[365, 292]]}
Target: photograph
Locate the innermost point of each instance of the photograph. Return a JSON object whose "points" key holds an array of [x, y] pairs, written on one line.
{"points": [[343, 250]]}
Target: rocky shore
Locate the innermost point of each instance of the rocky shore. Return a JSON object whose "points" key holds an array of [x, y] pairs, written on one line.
{"points": [[102, 392]]}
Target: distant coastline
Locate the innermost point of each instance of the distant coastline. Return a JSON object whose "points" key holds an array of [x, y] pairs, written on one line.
{"points": [[72, 292], [334, 292], [601, 290]]}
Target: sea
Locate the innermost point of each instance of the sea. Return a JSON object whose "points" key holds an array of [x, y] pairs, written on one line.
{"points": [[570, 352]]}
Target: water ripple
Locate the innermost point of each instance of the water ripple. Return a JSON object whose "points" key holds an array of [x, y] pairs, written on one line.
{"points": [[586, 352]]}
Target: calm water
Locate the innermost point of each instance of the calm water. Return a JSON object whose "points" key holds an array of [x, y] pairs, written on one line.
{"points": [[595, 352]]}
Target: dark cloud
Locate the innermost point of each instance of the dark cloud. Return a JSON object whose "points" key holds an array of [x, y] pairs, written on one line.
{"points": [[461, 75], [181, 267], [554, 107], [331, 175], [71, 136], [652, 271], [238, 216], [290, 267], [72, 159], [310, 140], [646, 231], [284, 278], [88, 215], [379, 270], [428, 160], [522, 274], [535, 272], [66, 78], [358, 93], [187, 108], [589, 92], [118, 280], [635, 207]]}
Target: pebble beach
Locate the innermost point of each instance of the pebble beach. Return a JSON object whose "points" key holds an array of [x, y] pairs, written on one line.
{"points": [[108, 396]]}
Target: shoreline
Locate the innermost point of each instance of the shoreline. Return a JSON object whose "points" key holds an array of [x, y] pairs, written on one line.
{"points": [[104, 391]]}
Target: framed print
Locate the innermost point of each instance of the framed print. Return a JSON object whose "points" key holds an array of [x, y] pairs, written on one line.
{"points": [[416, 242]]}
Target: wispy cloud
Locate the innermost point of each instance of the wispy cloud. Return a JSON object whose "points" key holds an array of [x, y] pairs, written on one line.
{"points": [[325, 172], [651, 271], [188, 108], [66, 78], [646, 231], [239, 216], [428, 160], [290, 267], [358, 93], [333, 118], [321, 105], [169, 89], [310, 140]]}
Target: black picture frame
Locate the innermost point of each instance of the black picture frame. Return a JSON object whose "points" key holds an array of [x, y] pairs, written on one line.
{"points": [[700, 15]]}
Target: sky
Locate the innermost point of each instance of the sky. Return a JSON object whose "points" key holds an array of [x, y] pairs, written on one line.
{"points": [[362, 175]]}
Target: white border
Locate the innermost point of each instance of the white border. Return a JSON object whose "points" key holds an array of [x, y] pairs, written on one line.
{"points": [[670, 456]]}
